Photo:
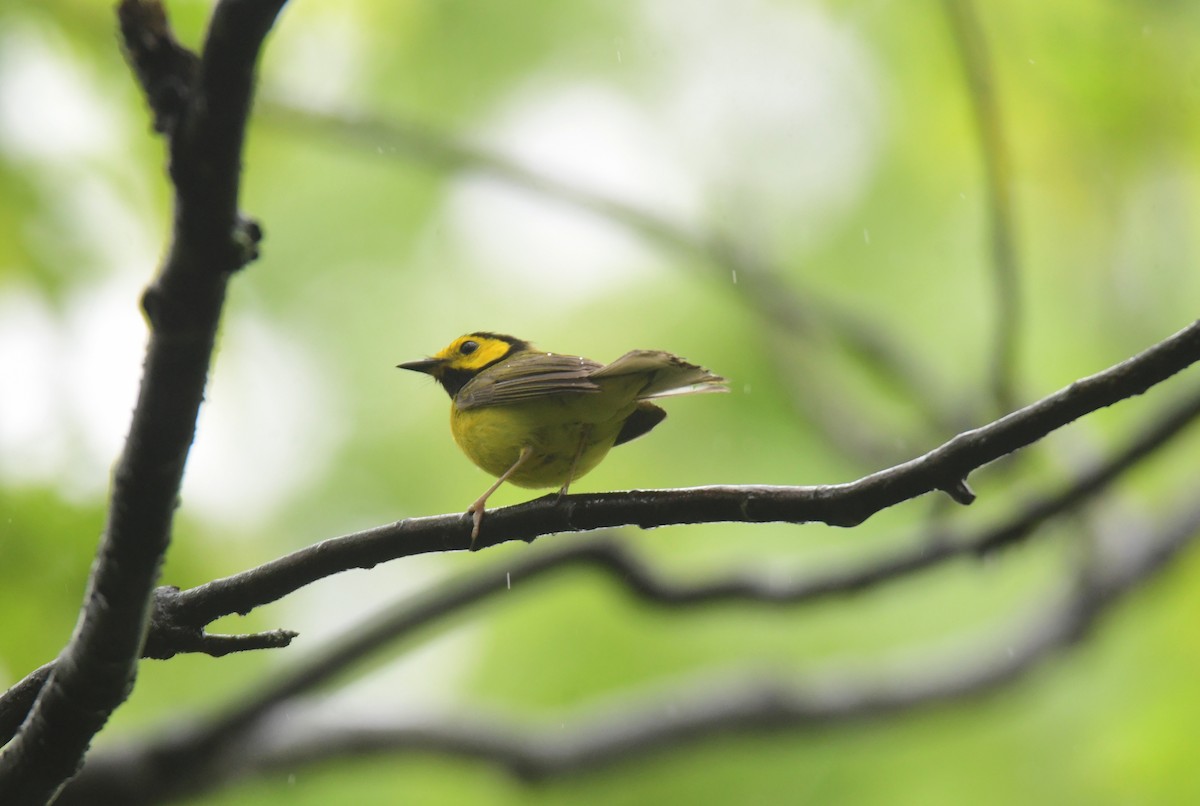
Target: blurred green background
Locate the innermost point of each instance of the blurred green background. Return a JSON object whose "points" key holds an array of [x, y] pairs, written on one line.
{"points": [[833, 140]]}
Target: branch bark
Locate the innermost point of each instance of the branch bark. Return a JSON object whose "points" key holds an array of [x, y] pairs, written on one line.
{"points": [[212, 737], [169, 766], [644, 582], [944, 468], [181, 616], [202, 107]]}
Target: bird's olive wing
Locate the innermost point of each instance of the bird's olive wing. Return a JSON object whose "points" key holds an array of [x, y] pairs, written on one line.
{"points": [[526, 377]]}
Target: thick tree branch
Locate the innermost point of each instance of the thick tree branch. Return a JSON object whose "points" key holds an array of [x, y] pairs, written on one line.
{"points": [[165, 768], [204, 115]]}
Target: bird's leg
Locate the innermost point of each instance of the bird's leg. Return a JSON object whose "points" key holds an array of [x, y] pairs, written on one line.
{"points": [[476, 509], [583, 438]]}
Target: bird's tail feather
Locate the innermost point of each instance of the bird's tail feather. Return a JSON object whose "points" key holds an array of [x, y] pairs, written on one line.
{"points": [[666, 374]]}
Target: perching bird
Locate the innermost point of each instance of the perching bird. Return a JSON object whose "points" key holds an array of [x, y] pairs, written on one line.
{"points": [[540, 419]]}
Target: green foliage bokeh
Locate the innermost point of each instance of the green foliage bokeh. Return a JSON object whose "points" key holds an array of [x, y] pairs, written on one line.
{"points": [[369, 259]]}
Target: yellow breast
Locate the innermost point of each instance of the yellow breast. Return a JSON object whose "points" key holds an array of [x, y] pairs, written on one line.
{"points": [[562, 432]]}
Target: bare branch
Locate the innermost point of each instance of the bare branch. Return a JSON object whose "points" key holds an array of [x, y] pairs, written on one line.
{"points": [[16, 703], [204, 116], [973, 53], [180, 616], [216, 645], [248, 738], [164, 639], [165, 69], [642, 580], [839, 505], [647, 722]]}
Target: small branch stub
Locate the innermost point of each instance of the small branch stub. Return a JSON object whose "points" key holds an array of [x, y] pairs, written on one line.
{"points": [[960, 491], [247, 235]]}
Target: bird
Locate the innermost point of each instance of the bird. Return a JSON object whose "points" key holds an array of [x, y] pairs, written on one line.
{"points": [[538, 419]]}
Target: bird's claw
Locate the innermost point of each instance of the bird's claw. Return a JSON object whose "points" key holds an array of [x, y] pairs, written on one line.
{"points": [[476, 513]]}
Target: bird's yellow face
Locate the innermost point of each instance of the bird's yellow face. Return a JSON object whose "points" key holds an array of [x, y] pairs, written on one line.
{"points": [[466, 357], [476, 351]]}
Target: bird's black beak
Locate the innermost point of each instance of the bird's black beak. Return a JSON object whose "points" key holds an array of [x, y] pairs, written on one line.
{"points": [[426, 365]]}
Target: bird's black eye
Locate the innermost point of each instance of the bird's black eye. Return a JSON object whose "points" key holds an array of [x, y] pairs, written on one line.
{"points": [[468, 347]]}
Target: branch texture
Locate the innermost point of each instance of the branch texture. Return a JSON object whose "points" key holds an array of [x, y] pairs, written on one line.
{"points": [[944, 468], [208, 740], [651, 721], [180, 616], [202, 109]]}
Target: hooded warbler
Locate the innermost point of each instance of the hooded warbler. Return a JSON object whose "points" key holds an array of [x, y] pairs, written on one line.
{"points": [[539, 419]]}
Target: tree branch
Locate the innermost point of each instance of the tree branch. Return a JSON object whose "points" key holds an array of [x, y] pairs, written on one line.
{"points": [[204, 115], [16, 703], [944, 468], [650, 722], [165, 638], [644, 582], [181, 616]]}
